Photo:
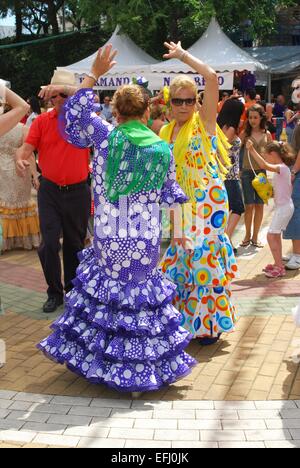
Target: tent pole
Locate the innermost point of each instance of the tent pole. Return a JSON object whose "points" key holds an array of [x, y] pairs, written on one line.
{"points": [[269, 86]]}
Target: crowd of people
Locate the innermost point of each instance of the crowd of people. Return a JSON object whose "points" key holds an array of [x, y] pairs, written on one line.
{"points": [[130, 314]]}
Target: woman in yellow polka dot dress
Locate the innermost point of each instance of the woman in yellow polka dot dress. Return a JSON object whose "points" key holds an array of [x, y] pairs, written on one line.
{"points": [[201, 261]]}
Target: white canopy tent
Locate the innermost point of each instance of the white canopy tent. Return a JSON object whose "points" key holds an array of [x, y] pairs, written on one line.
{"points": [[281, 60], [214, 48], [131, 61], [218, 51]]}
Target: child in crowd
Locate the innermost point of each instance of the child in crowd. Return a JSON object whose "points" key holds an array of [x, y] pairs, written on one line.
{"points": [[278, 158]]}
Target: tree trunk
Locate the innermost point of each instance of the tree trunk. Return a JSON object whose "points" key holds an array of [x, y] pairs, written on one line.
{"points": [[52, 18], [19, 24]]}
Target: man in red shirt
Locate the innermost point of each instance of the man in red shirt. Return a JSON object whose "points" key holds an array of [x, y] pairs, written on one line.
{"points": [[63, 197]]}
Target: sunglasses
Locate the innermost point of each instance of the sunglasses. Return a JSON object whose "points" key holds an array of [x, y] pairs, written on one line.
{"points": [[64, 96], [179, 102]]}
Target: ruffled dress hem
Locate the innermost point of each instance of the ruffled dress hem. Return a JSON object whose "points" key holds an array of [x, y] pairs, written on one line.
{"points": [[124, 335], [203, 285]]}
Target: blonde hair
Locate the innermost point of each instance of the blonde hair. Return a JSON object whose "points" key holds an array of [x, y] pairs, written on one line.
{"points": [[131, 101], [284, 151], [181, 82]]}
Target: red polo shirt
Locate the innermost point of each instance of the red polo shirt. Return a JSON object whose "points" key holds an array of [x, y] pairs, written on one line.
{"points": [[60, 162]]}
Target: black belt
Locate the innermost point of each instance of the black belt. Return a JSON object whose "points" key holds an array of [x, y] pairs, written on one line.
{"points": [[66, 188]]}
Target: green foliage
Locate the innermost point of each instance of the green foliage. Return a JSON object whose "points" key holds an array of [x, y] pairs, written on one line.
{"points": [[29, 67], [148, 22], [184, 19]]}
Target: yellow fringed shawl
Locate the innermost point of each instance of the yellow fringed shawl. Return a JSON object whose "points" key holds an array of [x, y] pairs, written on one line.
{"points": [[194, 150]]}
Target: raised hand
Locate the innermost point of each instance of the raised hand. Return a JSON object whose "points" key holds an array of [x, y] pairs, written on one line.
{"points": [[51, 90], [175, 50], [104, 61]]}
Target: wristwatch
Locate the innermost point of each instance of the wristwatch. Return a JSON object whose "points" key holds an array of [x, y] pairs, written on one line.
{"points": [[293, 173]]}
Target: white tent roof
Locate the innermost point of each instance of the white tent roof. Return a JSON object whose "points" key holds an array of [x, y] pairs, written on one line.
{"points": [[280, 59], [218, 51], [130, 57]]}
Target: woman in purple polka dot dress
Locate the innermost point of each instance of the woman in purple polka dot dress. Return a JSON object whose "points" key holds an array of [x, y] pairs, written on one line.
{"points": [[120, 327]]}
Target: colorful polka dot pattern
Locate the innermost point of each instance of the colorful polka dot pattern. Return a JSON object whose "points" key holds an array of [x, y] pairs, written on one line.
{"points": [[203, 278]]}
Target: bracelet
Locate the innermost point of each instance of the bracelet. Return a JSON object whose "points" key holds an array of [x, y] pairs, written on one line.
{"points": [[91, 75], [183, 55]]}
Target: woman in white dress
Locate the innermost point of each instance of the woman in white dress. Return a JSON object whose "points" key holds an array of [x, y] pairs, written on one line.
{"points": [[18, 212]]}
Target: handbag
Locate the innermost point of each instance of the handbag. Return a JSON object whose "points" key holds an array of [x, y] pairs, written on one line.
{"points": [[261, 185]]}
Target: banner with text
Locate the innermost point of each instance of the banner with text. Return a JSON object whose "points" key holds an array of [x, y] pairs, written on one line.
{"points": [[159, 80]]}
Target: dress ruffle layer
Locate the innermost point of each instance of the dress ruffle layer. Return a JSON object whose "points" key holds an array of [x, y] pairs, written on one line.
{"points": [[126, 336], [206, 311], [154, 292], [203, 280], [212, 263], [20, 227]]}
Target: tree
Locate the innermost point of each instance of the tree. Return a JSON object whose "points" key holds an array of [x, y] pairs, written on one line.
{"points": [[74, 14], [14, 7], [183, 19], [150, 22], [52, 8]]}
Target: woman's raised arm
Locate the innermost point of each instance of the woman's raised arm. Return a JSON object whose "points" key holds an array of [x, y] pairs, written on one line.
{"points": [[18, 109]]}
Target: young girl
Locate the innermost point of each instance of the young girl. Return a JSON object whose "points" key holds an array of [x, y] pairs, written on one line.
{"points": [[256, 131], [278, 158]]}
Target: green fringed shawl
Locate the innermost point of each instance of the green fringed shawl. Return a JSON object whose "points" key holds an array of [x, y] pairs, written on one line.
{"points": [[137, 160]]}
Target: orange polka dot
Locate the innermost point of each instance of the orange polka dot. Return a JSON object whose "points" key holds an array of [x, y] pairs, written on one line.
{"points": [[216, 282], [204, 300], [207, 231]]}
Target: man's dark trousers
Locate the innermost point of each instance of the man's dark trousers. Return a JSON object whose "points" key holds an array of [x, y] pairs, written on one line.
{"points": [[63, 212]]}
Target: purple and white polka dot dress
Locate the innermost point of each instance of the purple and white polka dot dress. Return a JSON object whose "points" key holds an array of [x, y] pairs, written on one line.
{"points": [[120, 327]]}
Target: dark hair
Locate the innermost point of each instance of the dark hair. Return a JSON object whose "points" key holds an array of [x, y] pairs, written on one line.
{"points": [[296, 139], [231, 113], [157, 112], [262, 104], [34, 104], [291, 105], [284, 151], [263, 124], [251, 92]]}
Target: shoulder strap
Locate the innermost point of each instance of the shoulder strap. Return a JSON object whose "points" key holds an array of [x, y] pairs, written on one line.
{"points": [[250, 161]]}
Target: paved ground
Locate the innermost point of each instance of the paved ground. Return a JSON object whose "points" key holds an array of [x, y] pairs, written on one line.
{"points": [[43, 421], [259, 362]]}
